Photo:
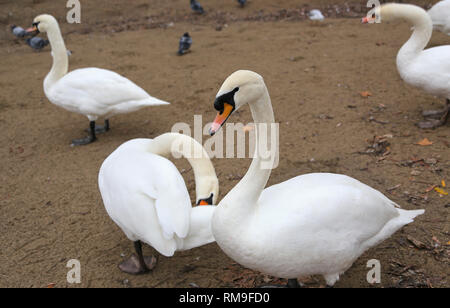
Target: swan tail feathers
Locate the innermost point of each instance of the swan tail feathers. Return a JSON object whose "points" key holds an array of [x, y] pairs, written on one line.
{"points": [[153, 101], [408, 216], [405, 217]]}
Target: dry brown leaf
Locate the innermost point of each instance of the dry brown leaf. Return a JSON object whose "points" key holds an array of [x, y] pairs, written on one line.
{"points": [[365, 94], [424, 142], [51, 285], [430, 188], [418, 244]]}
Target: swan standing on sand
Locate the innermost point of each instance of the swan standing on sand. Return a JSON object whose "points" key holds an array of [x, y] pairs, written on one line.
{"points": [[427, 69], [92, 92], [317, 223], [440, 15], [145, 195]]}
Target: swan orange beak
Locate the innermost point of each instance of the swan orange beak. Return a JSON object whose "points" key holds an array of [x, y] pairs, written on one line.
{"points": [[221, 118], [203, 202], [32, 30], [367, 20]]}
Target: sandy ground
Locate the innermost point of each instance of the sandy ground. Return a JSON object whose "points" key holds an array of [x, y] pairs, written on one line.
{"points": [[51, 209]]}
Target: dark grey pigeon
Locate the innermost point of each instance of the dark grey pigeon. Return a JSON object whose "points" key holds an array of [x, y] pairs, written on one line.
{"points": [[185, 44], [18, 31], [196, 7], [242, 2], [37, 43]]}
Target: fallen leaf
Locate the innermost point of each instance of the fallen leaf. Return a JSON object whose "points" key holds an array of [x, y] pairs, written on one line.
{"points": [[443, 183], [441, 191], [51, 285], [430, 188], [424, 142], [418, 244], [365, 94]]}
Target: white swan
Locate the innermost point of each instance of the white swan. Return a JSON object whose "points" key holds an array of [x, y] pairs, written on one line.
{"points": [[440, 15], [92, 92], [427, 69], [145, 195], [317, 223]]}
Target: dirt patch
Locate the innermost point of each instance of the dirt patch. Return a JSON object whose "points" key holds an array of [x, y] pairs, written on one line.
{"points": [[50, 204]]}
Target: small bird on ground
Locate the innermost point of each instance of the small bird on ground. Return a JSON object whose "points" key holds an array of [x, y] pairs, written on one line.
{"points": [[315, 15], [18, 31], [185, 44], [37, 43], [242, 2], [196, 7]]}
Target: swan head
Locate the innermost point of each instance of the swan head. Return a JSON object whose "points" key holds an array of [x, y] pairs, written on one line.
{"points": [[240, 88], [42, 23], [393, 11], [207, 189]]}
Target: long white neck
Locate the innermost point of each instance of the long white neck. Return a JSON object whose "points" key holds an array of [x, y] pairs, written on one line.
{"points": [[423, 28], [179, 144], [60, 58], [200, 232], [242, 200]]}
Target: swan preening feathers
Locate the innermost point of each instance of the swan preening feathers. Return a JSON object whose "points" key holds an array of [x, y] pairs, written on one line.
{"points": [[92, 92], [427, 69], [317, 223], [145, 195]]}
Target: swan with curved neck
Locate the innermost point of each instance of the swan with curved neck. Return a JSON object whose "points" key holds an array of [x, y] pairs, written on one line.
{"points": [[317, 223], [427, 69], [92, 92], [145, 195]]}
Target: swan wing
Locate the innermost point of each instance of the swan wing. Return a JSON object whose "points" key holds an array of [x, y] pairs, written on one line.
{"points": [[97, 91], [329, 207], [430, 71], [146, 196]]}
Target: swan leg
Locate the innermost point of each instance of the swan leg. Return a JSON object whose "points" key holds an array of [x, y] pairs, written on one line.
{"points": [[139, 264], [436, 117], [292, 283], [99, 129], [89, 139]]}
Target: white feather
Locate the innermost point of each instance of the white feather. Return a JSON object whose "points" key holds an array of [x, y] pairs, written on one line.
{"points": [[440, 15]]}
